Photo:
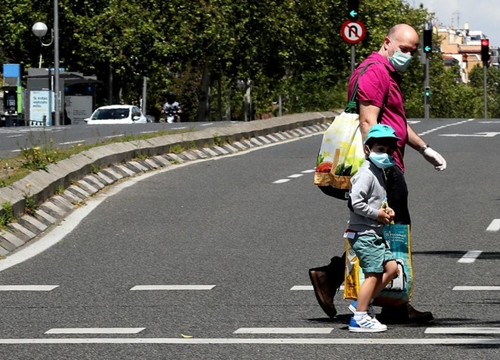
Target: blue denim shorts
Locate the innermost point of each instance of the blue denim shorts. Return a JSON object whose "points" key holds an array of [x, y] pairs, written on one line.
{"points": [[372, 252]]}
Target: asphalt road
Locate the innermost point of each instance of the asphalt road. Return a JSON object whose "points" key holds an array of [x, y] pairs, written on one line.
{"points": [[12, 139], [246, 229]]}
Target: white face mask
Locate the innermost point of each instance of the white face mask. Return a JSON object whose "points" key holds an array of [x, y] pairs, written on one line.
{"points": [[398, 60]]}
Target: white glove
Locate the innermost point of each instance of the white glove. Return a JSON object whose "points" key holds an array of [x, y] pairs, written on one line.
{"points": [[434, 158]]}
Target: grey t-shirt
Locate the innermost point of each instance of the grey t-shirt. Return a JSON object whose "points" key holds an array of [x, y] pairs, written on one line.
{"points": [[366, 196]]}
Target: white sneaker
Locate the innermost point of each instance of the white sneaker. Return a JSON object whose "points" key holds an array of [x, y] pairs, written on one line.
{"points": [[366, 324]]}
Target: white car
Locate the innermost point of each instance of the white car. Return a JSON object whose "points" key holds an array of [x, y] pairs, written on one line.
{"points": [[117, 114]]}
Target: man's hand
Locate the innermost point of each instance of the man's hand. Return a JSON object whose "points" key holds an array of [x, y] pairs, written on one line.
{"points": [[434, 158]]}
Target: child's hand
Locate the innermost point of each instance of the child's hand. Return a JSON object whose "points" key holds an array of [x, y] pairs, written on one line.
{"points": [[390, 212], [383, 216]]}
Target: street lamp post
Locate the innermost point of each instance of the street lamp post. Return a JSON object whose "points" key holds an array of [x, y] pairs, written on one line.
{"points": [[40, 30]]}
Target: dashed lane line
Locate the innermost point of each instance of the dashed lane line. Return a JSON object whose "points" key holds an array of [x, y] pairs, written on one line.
{"points": [[494, 226], [463, 330], [293, 176], [476, 288], [289, 330], [470, 256], [28, 287], [94, 331], [308, 288]]}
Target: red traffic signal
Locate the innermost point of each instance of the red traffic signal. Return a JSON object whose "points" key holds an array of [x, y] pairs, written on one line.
{"points": [[485, 50]]}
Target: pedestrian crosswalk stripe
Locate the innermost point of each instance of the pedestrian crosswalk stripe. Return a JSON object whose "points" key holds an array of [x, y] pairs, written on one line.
{"points": [[494, 226]]}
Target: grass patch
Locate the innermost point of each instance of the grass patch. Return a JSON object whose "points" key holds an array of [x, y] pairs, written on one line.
{"points": [[39, 156]]}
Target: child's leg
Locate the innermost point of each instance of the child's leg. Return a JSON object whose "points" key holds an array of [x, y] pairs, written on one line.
{"points": [[390, 272], [366, 291]]}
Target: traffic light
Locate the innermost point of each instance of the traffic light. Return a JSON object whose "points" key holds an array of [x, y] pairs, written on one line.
{"points": [[427, 92], [485, 50], [353, 8], [427, 41]]}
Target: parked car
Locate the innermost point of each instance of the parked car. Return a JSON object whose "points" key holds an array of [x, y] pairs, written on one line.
{"points": [[117, 114]]}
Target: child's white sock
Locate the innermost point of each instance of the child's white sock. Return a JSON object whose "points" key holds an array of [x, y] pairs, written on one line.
{"points": [[358, 315]]}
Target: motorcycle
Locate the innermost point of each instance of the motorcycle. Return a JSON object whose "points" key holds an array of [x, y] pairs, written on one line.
{"points": [[171, 113]]}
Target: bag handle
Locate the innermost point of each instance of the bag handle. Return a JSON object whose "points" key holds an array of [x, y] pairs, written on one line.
{"points": [[352, 105]]}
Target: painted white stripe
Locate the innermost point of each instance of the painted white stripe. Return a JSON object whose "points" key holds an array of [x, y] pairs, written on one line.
{"points": [[28, 287], [308, 288], [413, 121], [294, 176], [444, 126], [281, 181], [463, 330], [94, 331], [173, 287], [291, 341], [308, 171], [72, 142], [477, 288], [283, 331], [489, 122], [494, 226], [470, 257], [113, 136]]}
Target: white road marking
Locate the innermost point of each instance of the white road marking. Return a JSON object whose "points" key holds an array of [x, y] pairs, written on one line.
{"points": [[482, 134], [72, 142], [281, 181], [172, 287], [208, 124], [470, 257], [14, 136], [463, 330], [265, 341], [113, 136], [308, 288], [490, 122], [477, 288], [444, 126], [94, 331], [308, 171], [28, 287], [283, 331], [294, 176], [413, 121], [494, 226]]}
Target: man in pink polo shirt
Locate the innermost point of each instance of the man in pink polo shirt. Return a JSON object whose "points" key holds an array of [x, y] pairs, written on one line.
{"points": [[380, 101]]}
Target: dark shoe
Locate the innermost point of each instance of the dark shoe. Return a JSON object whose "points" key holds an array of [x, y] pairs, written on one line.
{"points": [[324, 294], [326, 280], [404, 314]]}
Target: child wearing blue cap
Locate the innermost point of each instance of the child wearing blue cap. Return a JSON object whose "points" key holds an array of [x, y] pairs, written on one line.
{"points": [[369, 212]]}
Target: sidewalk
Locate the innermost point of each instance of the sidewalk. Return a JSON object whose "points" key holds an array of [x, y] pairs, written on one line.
{"points": [[78, 175]]}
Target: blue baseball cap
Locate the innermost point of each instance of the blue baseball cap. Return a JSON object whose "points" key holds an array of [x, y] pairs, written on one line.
{"points": [[381, 131]]}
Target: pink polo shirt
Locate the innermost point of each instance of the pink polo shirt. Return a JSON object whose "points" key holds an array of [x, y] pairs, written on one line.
{"points": [[377, 85]]}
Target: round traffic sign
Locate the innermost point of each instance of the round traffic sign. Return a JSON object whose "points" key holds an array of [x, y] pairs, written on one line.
{"points": [[352, 31]]}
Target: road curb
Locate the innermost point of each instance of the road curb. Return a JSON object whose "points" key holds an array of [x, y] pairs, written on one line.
{"points": [[78, 177]]}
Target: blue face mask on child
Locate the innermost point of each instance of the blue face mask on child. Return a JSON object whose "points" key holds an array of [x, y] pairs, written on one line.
{"points": [[381, 160]]}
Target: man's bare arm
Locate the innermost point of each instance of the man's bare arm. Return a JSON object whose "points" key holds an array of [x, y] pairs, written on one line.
{"points": [[368, 115]]}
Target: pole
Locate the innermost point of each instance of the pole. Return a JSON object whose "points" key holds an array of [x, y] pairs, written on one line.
{"points": [[56, 62], [353, 58], [426, 85], [280, 102], [485, 71], [144, 92]]}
